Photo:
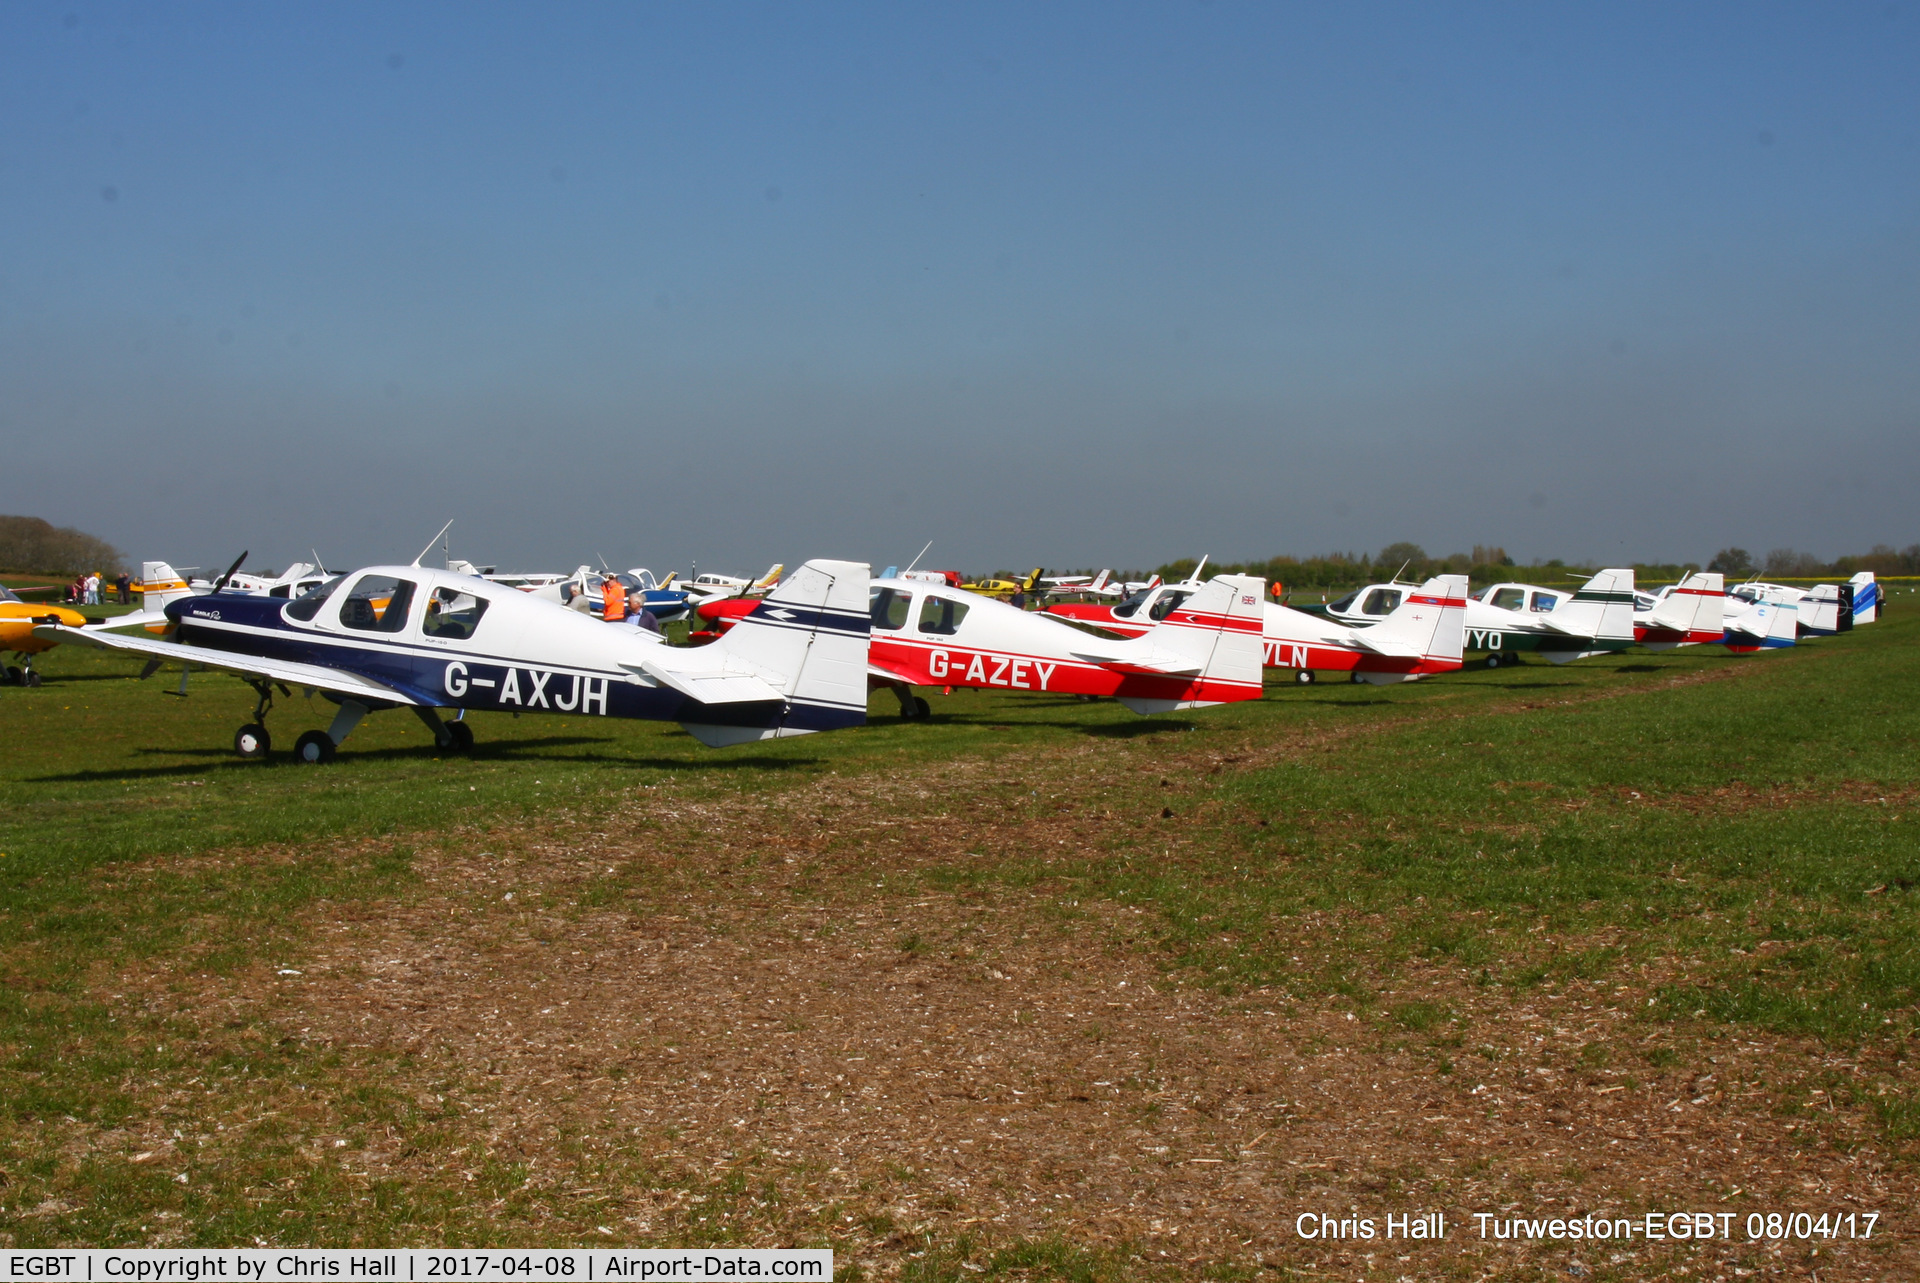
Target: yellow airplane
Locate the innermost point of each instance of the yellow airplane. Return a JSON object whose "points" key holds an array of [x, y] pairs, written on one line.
{"points": [[1001, 589], [17, 619]]}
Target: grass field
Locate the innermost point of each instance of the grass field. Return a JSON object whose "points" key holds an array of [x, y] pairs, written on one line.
{"points": [[1036, 989]]}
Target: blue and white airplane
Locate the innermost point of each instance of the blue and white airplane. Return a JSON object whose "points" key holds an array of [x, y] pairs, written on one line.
{"points": [[413, 637]]}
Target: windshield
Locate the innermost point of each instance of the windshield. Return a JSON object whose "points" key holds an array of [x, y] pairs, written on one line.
{"points": [[307, 605], [1127, 608], [1346, 602], [7, 595], [1165, 606], [888, 607]]}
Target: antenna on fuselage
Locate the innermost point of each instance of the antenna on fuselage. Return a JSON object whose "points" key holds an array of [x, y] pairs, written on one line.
{"points": [[431, 542], [916, 560]]}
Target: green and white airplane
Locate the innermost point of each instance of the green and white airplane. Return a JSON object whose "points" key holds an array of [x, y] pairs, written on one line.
{"points": [[1595, 619]]}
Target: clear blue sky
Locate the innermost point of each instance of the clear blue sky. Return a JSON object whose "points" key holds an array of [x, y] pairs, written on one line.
{"points": [[1075, 284]]}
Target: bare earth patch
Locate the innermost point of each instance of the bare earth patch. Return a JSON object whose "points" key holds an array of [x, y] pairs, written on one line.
{"points": [[859, 1057]]}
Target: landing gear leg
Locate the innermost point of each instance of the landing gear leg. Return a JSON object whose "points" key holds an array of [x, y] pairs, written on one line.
{"points": [[450, 737], [252, 741], [317, 747], [912, 707]]}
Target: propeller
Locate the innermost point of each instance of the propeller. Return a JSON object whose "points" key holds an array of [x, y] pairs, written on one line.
{"points": [[221, 582]]}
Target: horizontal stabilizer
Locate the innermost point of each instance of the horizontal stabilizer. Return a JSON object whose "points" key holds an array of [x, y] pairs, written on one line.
{"points": [[721, 686]]}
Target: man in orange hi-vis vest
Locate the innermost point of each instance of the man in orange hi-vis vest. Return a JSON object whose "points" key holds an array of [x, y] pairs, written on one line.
{"points": [[613, 598]]}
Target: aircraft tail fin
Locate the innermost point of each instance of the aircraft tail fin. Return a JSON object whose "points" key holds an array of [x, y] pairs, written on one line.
{"points": [[769, 579], [1430, 624], [160, 583], [1696, 606], [1218, 628], [1099, 581], [1601, 609], [1866, 597], [808, 640]]}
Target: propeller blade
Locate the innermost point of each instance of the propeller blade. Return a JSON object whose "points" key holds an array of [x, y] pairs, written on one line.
{"points": [[221, 582]]}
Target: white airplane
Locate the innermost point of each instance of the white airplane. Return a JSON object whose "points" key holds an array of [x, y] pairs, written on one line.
{"points": [[705, 588], [1369, 604], [1688, 613], [1100, 585], [1765, 624], [412, 637], [1594, 619]]}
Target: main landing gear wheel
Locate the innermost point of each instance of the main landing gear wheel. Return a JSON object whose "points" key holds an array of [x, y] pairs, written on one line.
{"points": [[460, 736], [921, 709], [313, 749], [1355, 677], [1495, 661], [252, 741], [1303, 677], [29, 678]]}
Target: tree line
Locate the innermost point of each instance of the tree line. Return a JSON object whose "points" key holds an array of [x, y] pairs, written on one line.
{"points": [[33, 546]]}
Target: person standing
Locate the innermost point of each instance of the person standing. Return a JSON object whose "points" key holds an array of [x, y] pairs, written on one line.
{"points": [[613, 600], [125, 586]]}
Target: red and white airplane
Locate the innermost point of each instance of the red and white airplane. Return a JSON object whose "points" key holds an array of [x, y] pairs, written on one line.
{"points": [[1425, 634], [1206, 652], [1687, 614]]}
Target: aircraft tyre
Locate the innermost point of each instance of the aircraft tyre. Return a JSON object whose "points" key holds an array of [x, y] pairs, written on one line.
{"points": [[1356, 678], [314, 748], [1303, 677], [1494, 661], [252, 741], [28, 677], [921, 709], [461, 735]]}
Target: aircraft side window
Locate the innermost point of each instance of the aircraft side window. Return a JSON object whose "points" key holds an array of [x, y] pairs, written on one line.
{"points": [[1166, 605], [888, 608], [452, 615], [307, 604], [280, 590], [1510, 598], [941, 615], [1381, 601], [377, 604], [1544, 602]]}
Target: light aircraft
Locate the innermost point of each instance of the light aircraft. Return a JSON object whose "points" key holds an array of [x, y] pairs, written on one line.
{"points": [[412, 637], [1001, 589], [1760, 625], [1422, 636], [1594, 619], [1100, 585], [1368, 605], [1207, 652], [160, 584], [18, 621], [719, 587], [584, 590], [1146, 604], [1866, 598], [1688, 613]]}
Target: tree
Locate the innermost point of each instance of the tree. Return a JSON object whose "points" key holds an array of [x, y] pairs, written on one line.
{"points": [[1785, 563], [34, 546], [1732, 561], [1395, 554]]}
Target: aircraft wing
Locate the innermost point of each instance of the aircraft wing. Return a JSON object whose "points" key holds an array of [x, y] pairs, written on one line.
{"points": [[285, 671], [1154, 662], [1585, 634], [141, 618], [886, 674], [715, 686]]}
